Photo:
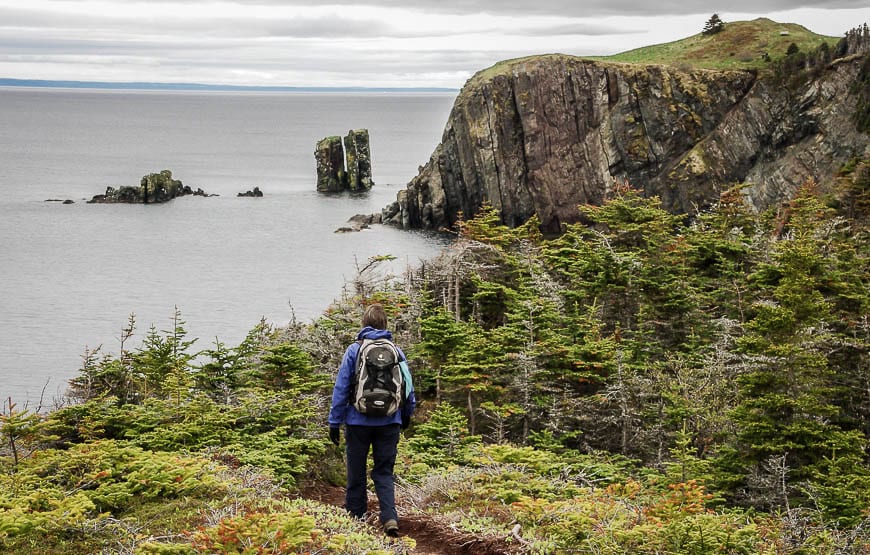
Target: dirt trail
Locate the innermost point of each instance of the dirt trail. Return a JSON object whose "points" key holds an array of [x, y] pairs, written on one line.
{"points": [[431, 536]]}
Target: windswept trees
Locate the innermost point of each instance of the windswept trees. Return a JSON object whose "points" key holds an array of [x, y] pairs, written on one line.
{"points": [[719, 343], [639, 383]]}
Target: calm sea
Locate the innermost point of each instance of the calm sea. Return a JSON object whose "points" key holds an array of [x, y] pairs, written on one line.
{"points": [[72, 274]]}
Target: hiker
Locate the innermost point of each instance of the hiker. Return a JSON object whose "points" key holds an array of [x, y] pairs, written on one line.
{"points": [[372, 415]]}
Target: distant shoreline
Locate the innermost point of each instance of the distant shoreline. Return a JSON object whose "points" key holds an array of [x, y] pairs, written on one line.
{"points": [[145, 86]]}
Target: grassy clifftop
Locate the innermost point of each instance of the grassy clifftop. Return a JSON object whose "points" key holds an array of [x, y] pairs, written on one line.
{"points": [[740, 45]]}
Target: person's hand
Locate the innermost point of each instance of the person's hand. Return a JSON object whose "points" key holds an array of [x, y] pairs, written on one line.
{"points": [[406, 421], [334, 434]]}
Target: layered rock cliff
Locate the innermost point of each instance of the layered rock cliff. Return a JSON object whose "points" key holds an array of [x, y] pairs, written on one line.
{"points": [[545, 134]]}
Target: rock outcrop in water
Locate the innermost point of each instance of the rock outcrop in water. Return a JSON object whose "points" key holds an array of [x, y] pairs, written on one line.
{"points": [[153, 189], [347, 168], [252, 193], [328, 154], [359, 162], [359, 222], [545, 134]]}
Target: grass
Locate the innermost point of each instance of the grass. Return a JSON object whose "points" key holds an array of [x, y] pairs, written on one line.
{"points": [[741, 45]]}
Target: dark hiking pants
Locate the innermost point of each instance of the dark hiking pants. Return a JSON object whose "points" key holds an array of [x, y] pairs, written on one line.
{"points": [[383, 441]]}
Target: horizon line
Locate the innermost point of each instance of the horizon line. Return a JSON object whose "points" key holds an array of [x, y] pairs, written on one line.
{"points": [[156, 86]]}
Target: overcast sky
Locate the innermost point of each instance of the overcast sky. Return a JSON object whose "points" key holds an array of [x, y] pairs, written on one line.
{"points": [[374, 43]]}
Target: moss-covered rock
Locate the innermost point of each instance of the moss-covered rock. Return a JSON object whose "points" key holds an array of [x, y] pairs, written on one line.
{"points": [[329, 156], [160, 187], [359, 162], [349, 168], [153, 188]]}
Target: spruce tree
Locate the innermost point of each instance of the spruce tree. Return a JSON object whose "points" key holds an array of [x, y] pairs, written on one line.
{"points": [[713, 25], [440, 336], [786, 407], [219, 376]]}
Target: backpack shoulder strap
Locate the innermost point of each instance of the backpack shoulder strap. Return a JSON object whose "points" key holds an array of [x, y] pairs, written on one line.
{"points": [[356, 364]]}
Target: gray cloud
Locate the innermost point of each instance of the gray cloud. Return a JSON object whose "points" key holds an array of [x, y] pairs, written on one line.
{"points": [[572, 8], [329, 27], [297, 27], [584, 29], [569, 8], [418, 44]]}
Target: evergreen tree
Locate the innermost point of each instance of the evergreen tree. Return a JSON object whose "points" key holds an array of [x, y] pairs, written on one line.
{"points": [[219, 376], [287, 367], [713, 25], [786, 407], [19, 431], [475, 375], [440, 336], [162, 363], [154, 361], [443, 438], [108, 375]]}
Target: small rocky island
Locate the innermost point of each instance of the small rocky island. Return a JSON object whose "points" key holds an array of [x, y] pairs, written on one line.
{"points": [[346, 167], [153, 189], [253, 193]]}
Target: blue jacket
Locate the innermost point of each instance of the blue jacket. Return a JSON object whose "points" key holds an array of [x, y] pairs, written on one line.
{"points": [[342, 412]]}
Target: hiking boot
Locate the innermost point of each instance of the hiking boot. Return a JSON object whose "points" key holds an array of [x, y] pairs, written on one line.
{"points": [[391, 528]]}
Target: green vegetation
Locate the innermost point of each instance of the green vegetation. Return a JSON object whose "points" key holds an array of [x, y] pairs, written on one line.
{"points": [[713, 25], [761, 45], [506, 67], [638, 384], [739, 45]]}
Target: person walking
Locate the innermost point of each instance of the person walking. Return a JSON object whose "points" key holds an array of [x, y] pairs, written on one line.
{"points": [[365, 430]]}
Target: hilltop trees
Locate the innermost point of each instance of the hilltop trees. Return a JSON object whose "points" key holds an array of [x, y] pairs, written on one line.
{"points": [[713, 25]]}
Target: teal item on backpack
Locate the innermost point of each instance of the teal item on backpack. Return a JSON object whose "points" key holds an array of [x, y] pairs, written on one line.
{"points": [[406, 378]]}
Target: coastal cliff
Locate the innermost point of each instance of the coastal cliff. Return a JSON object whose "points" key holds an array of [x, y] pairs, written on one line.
{"points": [[544, 134]]}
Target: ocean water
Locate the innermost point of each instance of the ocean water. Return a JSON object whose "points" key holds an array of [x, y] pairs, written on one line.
{"points": [[72, 274]]}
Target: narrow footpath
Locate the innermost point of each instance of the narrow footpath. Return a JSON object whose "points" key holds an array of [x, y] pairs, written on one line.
{"points": [[431, 536]]}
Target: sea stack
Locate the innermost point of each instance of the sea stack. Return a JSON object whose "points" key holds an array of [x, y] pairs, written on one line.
{"points": [[359, 163], [329, 155], [347, 168]]}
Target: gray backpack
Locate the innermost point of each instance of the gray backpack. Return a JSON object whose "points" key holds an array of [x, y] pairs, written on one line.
{"points": [[379, 387]]}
